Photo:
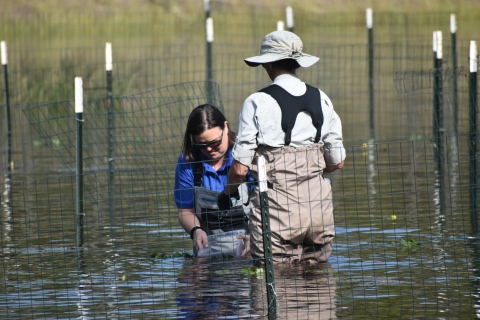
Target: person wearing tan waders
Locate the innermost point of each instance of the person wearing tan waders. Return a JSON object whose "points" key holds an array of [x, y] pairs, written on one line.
{"points": [[294, 126]]}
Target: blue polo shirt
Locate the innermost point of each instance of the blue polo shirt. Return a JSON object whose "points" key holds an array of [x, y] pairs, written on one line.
{"points": [[213, 180]]}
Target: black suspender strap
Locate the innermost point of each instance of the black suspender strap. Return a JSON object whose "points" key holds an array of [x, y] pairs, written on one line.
{"points": [[291, 106], [197, 174]]}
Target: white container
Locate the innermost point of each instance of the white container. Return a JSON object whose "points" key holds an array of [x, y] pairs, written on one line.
{"points": [[225, 243]]}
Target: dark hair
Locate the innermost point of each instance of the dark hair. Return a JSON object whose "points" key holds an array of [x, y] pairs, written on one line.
{"points": [[202, 118], [286, 64]]}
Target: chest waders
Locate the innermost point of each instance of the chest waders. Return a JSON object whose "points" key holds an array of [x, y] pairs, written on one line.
{"points": [[221, 226], [299, 198]]}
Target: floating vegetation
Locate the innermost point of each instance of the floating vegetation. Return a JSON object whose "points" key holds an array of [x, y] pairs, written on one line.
{"points": [[407, 244], [163, 255], [253, 270], [223, 272]]}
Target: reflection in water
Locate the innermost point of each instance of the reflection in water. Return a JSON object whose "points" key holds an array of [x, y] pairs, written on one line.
{"points": [[221, 290], [5, 229], [6, 212], [98, 289], [453, 173], [113, 269], [303, 292], [83, 291], [476, 277], [375, 276], [371, 173], [213, 290], [444, 180]]}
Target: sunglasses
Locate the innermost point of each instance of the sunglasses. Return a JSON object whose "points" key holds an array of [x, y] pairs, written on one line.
{"points": [[212, 144]]}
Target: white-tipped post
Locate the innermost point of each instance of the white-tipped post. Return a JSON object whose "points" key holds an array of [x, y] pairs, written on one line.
{"points": [[369, 18], [439, 45], [434, 42], [289, 17], [280, 25], [78, 95], [4, 53], [209, 30], [108, 56], [473, 56], [206, 5], [453, 23], [262, 174]]}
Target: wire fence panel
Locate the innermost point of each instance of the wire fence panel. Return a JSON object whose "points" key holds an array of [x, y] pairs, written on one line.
{"points": [[402, 71], [148, 126], [147, 130], [405, 243], [394, 246]]}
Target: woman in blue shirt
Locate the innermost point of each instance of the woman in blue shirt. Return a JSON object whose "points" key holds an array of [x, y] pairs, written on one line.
{"points": [[202, 173]]}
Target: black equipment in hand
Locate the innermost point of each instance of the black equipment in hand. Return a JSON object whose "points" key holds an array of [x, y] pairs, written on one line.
{"points": [[225, 202]]}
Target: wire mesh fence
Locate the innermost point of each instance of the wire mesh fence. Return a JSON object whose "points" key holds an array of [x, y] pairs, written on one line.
{"points": [[403, 92], [392, 238], [405, 243], [147, 126]]}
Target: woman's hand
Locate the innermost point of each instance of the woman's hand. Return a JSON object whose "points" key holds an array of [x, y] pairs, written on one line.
{"points": [[189, 220], [246, 242], [200, 239]]}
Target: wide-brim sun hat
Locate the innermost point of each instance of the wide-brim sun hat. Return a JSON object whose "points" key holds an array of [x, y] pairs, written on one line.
{"points": [[280, 45]]}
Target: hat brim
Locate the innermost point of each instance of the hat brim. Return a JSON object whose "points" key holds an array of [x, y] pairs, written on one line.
{"points": [[304, 61]]}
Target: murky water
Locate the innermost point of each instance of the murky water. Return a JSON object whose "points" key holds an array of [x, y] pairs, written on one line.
{"points": [[402, 248], [397, 252]]}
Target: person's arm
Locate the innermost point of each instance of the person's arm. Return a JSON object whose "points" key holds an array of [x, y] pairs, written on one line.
{"points": [[331, 168], [246, 144], [184, 198], [334, 152], [188, 220], [236, 175], [242, 152]]}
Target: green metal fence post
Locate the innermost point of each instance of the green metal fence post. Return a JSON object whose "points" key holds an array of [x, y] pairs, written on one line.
{"points": [[209, 33], [110, 130], [370, 73], [267, 240], [8, 122], [453, 30], [79, 161], [438, 116], [438, 98], [435, 67], [472, 141]]}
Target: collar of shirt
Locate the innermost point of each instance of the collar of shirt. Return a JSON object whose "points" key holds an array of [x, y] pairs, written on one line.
{"points": [[291, 83], [227, 163], [286, 77]]}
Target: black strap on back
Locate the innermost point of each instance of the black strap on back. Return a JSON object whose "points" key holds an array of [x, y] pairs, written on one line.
{"points": [[292, 105], [197, 174]]}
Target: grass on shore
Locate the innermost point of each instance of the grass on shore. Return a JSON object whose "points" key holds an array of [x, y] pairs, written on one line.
{"points": [[185, 8]]}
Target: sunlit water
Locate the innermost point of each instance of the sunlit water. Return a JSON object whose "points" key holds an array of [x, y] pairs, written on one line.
{"points": [[397, 254]]}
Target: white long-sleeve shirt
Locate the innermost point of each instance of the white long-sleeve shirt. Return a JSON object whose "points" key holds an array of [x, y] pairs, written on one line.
{"points": [[260, 123]]}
